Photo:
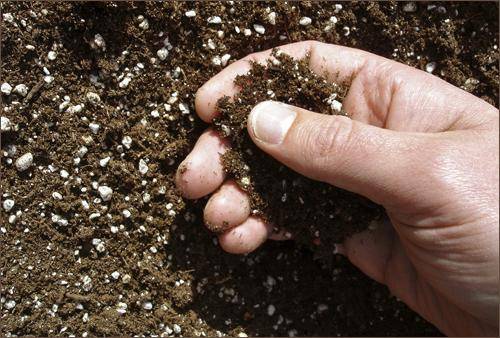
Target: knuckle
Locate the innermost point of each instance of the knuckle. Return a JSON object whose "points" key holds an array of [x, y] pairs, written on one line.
{"points": [[326, 139]]}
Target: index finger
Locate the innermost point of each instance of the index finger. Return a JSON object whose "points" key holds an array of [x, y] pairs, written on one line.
{"points": [[334, 62]]}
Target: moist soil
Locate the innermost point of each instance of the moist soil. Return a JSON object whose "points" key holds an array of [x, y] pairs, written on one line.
{"points": [[142, 263], [310, 212]]}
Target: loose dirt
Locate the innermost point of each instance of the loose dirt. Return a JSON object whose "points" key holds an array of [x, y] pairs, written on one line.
{"points": [[109, 102]]}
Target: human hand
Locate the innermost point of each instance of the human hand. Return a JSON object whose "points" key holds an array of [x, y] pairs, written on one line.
{"points": [[424, 149]]}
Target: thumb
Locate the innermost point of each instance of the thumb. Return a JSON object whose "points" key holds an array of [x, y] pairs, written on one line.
{"points": [[361, 158]]}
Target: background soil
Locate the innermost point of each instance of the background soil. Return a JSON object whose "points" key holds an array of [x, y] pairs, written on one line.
{"points": [[57, 277]]}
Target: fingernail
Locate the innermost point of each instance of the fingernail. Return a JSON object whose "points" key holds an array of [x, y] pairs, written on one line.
{"points": [[271, 120]]}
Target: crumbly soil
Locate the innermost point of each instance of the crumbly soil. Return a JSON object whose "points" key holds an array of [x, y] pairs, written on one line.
{"points": [[63, 245], [311, 212]]}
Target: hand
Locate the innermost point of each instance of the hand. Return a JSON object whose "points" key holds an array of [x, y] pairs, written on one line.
{"points": [[424, 149]]}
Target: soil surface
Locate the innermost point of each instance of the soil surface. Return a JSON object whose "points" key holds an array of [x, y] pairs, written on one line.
{"points": [[97, 115]]}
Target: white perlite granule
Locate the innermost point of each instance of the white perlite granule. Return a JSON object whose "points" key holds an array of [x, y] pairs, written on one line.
{"points": [[305, 21], [6, 88], [214, 20], [162, 53], [143, 167], [8, 204], [24, 162], [5, 123], [21, 89], [105, 192], [259, 28]]}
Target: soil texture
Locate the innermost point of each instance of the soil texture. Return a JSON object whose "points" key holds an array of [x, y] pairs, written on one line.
{"points": [[97, 114]]}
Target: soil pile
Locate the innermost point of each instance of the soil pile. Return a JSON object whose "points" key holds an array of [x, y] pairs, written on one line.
{"points": [[313, 212]]}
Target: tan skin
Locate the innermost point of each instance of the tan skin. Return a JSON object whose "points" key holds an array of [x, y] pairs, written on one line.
{"points": [[424, 149]]}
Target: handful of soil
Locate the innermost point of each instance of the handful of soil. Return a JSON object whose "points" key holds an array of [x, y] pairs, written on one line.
{"points": [[313, 212]]}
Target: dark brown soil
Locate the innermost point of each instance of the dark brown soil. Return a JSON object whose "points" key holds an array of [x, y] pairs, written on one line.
{"points": [[313, 213], [59, 255]]}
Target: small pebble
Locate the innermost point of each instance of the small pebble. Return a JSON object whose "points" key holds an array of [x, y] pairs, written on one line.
{"points": [[6, 88], [8, 204], [126, 213], [147, 306], [105, 192], [305, 21], [259, 28], [24, 162], [190, 14], [21, 89], [64, 173], [115, 275]]}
